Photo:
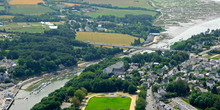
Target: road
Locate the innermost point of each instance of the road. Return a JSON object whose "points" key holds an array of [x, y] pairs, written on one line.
{"points": [[130, 47], [150, 100], [206, 51]]}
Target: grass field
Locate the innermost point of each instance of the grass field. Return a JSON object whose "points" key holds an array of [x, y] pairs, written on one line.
{"points": [[123, 3], [29, 9], [118, 12], [109, 38], [25, 2], [24, 27], [101, 103], [2, 8]]}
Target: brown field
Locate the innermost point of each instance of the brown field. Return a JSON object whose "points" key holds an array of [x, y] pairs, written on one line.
{"points": [[109, 38], [6, 17], [71, 4], [25, 2]]}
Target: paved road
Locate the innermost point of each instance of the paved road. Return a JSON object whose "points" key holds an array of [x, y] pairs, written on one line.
{"points": [[150, 100], [206, 51], [130, 47]]}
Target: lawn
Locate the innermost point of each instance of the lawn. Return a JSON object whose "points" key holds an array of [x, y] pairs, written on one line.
{"points": [[29, 9], [101, 103], [123, 3], [25, 2], [109, 38], [118, 12]]}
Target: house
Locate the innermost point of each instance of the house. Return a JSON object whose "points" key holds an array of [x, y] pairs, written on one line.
{"points": [[217, 75], [182, 105], [162, 91], [53, 27], [163, 106], [115, 69], [88, 29], [210, 83], [1, 24], [145, 84]]}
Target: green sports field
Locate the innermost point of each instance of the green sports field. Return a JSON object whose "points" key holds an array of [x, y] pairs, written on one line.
{"points": [[101, 103], [29, 9]]}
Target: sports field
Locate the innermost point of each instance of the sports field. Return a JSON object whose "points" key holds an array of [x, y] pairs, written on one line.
{"points": [[109, 38], [118, 12], [29, 9], [102, 103], [123, 3], [25, 2]]}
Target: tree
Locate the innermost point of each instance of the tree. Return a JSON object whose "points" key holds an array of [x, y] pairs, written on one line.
{"points": [[75, 102], [140, 104], [80, 95], [70, 91], [131, 89]]}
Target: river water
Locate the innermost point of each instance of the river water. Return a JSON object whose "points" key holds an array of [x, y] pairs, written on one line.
{"points": [[21, 104]]}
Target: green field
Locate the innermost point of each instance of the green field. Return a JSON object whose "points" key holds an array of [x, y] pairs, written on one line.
{"points": [[29, 9], [2, 8], [123, 3], [118, 12], [29, 27], [109, 38], [101, 103]]}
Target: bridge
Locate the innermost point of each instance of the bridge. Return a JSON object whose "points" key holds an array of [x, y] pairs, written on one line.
{"points": [[130, 47]]}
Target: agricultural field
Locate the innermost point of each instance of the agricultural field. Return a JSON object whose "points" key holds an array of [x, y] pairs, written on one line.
{"points": [[6, 17], [25, 2], [24, 27], [118, 12], [29, 9], [123, 3], [109, 38], [2, 8], [68, 4], [102, 103]]}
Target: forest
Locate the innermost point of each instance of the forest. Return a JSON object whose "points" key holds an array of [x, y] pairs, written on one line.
{"points": [[135, 25], [38, 53]]}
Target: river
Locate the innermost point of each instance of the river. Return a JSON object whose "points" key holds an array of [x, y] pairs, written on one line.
{"points": [[22, 104]]}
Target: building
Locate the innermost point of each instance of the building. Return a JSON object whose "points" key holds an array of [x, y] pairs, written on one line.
{"points": [[182, 105], [115, 69], [1, 24]]}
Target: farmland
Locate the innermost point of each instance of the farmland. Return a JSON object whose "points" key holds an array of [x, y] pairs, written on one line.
{"points": [[123, 3], [29, 9], [25, 2], [24, 27], [69, 4], [1, 7], [6, 17], [118, 12], [109, 38], [101, 103]]}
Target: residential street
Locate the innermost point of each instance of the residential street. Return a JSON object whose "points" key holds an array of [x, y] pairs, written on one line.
{"points": [[150, 100]]}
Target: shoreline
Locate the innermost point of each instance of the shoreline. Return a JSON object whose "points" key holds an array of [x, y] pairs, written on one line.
{"points": [[175, 33]]}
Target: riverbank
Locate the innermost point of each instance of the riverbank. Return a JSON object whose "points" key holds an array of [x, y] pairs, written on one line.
{"points": [[186, 30], [24, 100]]}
